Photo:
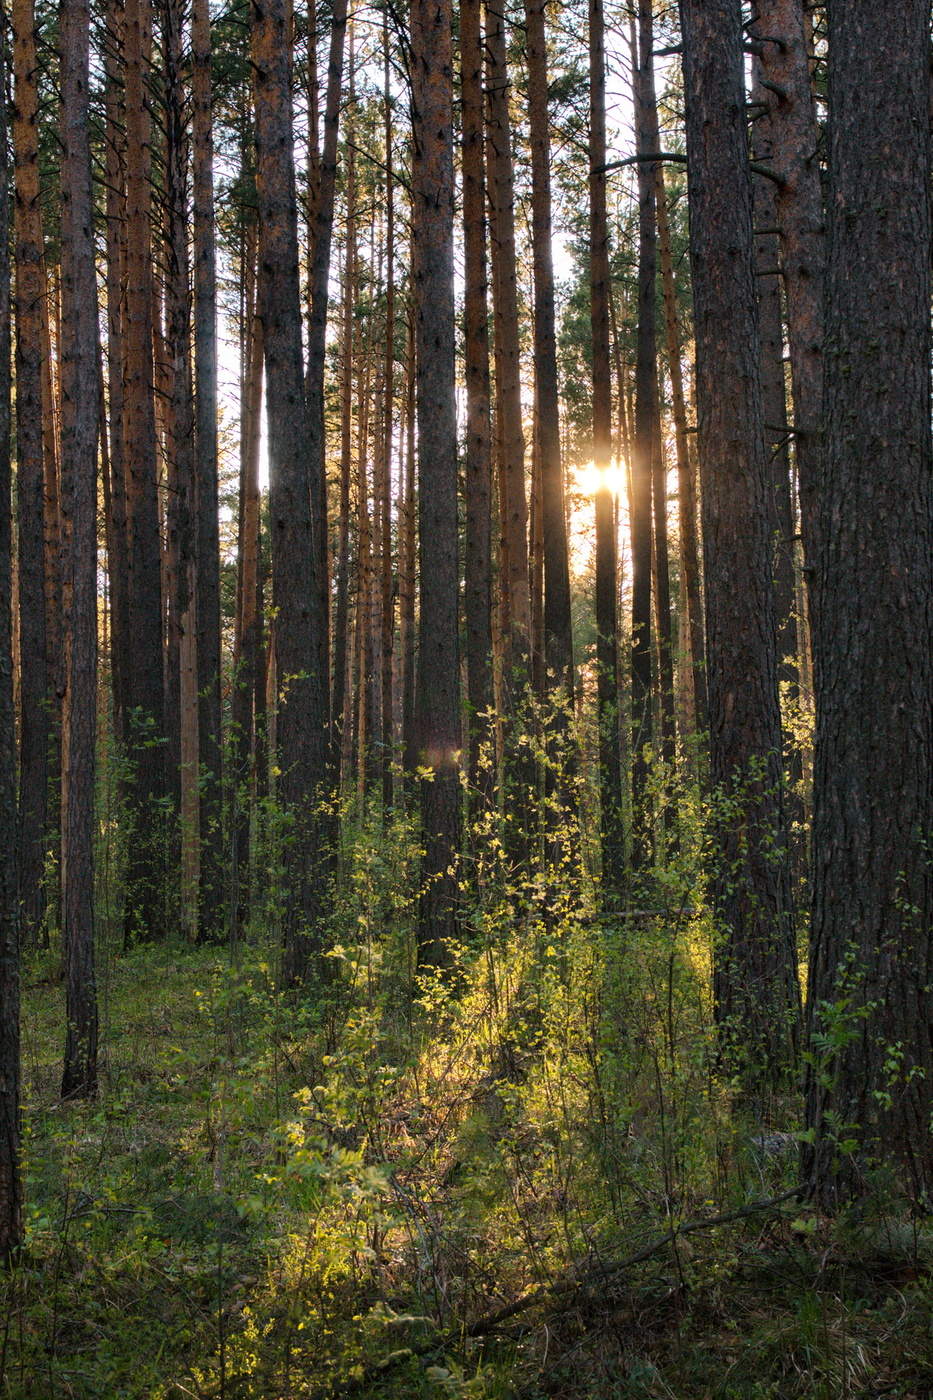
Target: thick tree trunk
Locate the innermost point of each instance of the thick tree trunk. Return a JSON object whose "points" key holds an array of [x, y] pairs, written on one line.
{"points": [[117, 560], [793, 155], [510, 438], [206, 540], [80, 406], [607, 659], [321, 233], [755, 977], [558, 640], [35, 680], [478, 466], [870, 1079], [11, 1191], [439, 660], [145, 894], [302, 716]]}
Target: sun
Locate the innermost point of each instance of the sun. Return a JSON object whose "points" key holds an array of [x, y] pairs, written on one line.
{"points": [[589, 479]]}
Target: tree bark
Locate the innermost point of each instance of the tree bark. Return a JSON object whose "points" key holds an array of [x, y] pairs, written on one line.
{"points": [[11, 1190], [558, 638], [206, 541], [302, 716], [607, 661], [145, 894], [35, 680], [692, 597], [755, 979], [439, 661], [871, 999], [80, 408], [478, 466]]}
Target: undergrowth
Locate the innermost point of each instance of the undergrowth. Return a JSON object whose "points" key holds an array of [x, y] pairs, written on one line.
{"points": [[492, 1185]]}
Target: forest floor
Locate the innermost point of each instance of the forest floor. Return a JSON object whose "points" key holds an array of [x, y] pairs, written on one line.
{"points": [[276, 1203]]}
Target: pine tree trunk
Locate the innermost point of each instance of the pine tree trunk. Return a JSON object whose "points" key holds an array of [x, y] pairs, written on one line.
{"points": [[798, 206], [478, 466], [206, 540], [871, 998], [31, 291], [692, 598], [11, 1191], [511, 443], [115, 173], [145, 894], [317, 336], [302, 716], [439, 733], [755, 977], [607, 657], [558, 639], [385, 494], [80, 406], [647, 430]]}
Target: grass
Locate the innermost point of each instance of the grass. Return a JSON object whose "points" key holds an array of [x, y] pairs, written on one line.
{"points": [[261, 1205]]}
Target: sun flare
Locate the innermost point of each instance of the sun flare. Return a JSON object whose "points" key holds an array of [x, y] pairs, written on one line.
{"points": [[589, 479]]}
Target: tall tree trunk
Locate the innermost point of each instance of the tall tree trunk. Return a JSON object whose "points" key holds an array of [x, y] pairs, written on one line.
{"points": [[478, 467], [408, 643], [558, 638], [181, 692], [145, 894], [798, 205], [647, 446], [246, 660], [11, 1190], [755, 976], [511, 443], [80, 406], [31, 291], [607, 657], [317, 337], [207, 542], [773, 390], [387, 600], [692, 599], [439, 660], [871, 998], [342, 614], [115, 174], [302, 718]]}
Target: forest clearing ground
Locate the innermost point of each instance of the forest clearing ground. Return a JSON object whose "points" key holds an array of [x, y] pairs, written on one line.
{"points": [[242, 1216]]}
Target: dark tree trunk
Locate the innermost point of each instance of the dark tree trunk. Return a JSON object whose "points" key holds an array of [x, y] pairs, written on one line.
{"points": [[35, 680], [302, 717], [510, 438], [478, 467], [11, 1190], [439, 660], [145, 894], [793, 155], [755, 978], [558, 640], [384, 504], [206, 541], [321, 232], [871, 993], [607, 659], [117, 561], [80, 406]]}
